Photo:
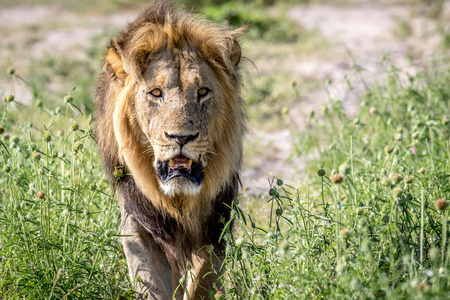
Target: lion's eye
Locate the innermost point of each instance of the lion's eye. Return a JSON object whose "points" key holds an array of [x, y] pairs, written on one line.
{"points": [[203, 92], [156, 93]]}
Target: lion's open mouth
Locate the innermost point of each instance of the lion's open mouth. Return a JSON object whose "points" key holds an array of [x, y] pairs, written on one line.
{"points": [[180, 166]]}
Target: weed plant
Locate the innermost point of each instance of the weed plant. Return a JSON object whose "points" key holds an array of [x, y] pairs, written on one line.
{"points": [[373, 221], [370, 222], [58, 218]]}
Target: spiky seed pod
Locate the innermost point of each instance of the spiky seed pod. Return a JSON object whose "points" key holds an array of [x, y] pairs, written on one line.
{"points": [[46, 137], [337, 178], [385, 181], [93, 187], [89, 132], [118, 172], [78, 146], [40, 195], [6, 169], [11, 71], [210, 249], [396, 178], [9, 98], [279, 212], [345, 234], [445, 121], [182, 281], [408, 179], [68, 99], [441, 204], [219, 296], [74, 126], [273, 192], [321, 172], [397, 192], [36, 156], [388, 149], [239, 242]]}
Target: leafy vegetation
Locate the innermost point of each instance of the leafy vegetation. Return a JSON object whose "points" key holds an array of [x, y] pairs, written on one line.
{"points": [[261, 24], [369, 224], [58, 218], [372, 219], [368, 219]]}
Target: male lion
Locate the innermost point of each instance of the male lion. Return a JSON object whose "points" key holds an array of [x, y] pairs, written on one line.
{"points": [[169, 115]]}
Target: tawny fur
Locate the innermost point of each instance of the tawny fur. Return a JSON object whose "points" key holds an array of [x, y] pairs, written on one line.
{"points": [[127, 57], [158, 33]]}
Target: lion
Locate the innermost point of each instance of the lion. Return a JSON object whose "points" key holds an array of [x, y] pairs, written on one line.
{"points": [[169, 116]]}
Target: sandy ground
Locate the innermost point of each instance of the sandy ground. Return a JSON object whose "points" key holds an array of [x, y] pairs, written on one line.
{"points": [[360, 34]]}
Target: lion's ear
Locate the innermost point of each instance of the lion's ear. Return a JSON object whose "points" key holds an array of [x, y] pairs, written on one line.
{"points": [[235, 53], [235, 47], [115, 61]]}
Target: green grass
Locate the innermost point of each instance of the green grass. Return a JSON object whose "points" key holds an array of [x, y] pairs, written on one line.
{"points": [[368, 237], [375, 235], [260, 23], [58, 218], [378, 233]]}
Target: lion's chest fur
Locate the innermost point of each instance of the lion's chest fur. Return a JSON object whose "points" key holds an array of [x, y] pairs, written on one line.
{"points": [[174, 237]]}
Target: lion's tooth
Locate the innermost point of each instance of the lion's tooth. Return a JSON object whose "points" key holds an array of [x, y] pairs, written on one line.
{"points": [[171, 163], [189, 164]]}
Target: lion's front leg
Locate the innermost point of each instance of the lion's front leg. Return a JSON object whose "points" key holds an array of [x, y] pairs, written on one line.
{"points": [[201, 279], [147, 264]]}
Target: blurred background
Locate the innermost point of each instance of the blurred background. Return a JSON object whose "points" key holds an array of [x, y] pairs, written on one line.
{"points": [[299, 55]]}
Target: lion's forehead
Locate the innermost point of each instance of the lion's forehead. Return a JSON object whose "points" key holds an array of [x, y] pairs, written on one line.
{"points": [[182, 71]]}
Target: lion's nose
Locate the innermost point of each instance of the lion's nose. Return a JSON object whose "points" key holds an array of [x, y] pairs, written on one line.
{"points": [[181, 139]]}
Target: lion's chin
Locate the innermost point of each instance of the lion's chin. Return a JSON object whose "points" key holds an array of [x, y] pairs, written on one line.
{"points": [[180, 186], [180, 176]]}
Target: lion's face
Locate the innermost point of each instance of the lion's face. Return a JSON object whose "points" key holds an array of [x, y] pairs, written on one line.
{"points": [[174, 105], [169, 111]]}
